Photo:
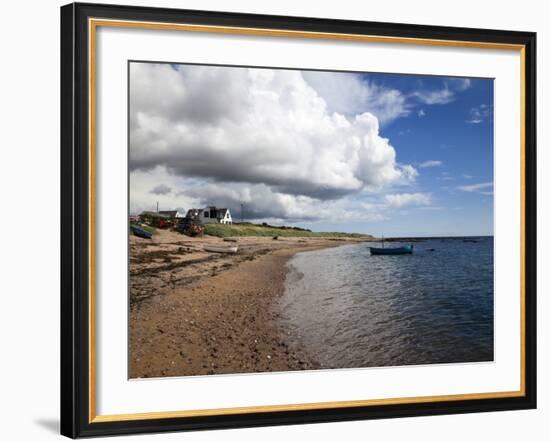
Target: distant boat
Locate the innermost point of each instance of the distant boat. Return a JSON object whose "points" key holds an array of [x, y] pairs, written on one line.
{"points": [[142, 233], [391, 250], [216, 249]]}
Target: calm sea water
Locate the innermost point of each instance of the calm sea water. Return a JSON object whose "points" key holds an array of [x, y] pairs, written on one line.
{"points": [[351, 309]]}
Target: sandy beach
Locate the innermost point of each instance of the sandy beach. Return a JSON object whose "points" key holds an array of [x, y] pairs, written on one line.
{"points": [[196, 313]]}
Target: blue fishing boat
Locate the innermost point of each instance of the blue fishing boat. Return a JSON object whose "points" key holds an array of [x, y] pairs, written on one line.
{"points": [[142, 233], [405, 250]]}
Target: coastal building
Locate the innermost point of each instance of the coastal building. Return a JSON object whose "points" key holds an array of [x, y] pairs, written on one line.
{"points": [[210, 214], [172, 213]]}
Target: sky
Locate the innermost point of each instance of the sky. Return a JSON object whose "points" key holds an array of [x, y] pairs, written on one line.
{"points": [[385, 154]]}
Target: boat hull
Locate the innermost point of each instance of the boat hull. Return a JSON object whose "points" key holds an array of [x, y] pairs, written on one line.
{"points": [[405, 250], [142, 233]]}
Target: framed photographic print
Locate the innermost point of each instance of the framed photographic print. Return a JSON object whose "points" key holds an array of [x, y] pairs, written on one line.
{"points": [[273, 220]]}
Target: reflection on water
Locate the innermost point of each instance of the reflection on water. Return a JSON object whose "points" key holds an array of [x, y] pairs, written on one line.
{"points": [[351, 309]]}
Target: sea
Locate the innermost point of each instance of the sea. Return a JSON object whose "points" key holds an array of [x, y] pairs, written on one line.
{"points": [[350, 309]]}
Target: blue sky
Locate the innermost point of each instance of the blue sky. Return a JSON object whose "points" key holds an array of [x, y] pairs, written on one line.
{"points": [[449, 140], [386, 154]]}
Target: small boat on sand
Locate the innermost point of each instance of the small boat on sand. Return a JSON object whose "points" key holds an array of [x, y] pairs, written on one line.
{"points": [[405, 250], [217, 249], [142, 233]]}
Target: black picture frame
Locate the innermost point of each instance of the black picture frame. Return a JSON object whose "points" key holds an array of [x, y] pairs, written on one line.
{"points": [[75, 220]]}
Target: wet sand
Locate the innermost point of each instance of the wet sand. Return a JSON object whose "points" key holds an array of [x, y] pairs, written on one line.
{"points": [[196, 313]]}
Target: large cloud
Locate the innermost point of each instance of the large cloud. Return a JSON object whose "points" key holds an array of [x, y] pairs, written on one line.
{"points": [[351, 94], [267, 132], [261, 202]]}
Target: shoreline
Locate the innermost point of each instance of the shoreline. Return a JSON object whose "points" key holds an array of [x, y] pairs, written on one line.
{"points": [[198, 313]]}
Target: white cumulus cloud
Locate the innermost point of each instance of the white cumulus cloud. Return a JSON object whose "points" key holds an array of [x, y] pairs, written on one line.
{"points": [[399, 200], [265, 131], [440, 96], [480, 187], [350, 94], [480, 114], [444, 95], [430, 163]]}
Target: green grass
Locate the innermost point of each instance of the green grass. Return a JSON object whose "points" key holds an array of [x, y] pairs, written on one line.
{"points": [[249, 229]]}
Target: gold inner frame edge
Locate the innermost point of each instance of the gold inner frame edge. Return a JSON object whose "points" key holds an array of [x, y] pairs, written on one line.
{"points": [[93, 24]]}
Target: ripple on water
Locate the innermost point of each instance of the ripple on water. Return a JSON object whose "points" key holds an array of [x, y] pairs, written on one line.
{"points": [[351, 309]]}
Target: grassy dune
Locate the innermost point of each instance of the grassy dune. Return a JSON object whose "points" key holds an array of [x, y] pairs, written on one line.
{"points": [[249, 229]]}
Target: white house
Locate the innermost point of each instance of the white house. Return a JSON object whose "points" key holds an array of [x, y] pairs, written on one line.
{"points": [[210, 214], [171, 213]]}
